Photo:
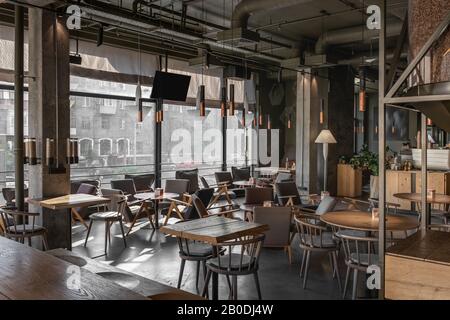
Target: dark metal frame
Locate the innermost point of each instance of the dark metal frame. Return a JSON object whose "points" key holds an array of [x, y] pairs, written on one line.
{"points": [[386, 98]]}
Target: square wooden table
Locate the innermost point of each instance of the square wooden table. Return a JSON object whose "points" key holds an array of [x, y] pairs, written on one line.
{"points": [[214, 230], [68, 202]]}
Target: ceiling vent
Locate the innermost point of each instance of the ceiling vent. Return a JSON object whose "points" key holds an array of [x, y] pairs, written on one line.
{"points": [[239, 37], [236, 73], [320, 60]]}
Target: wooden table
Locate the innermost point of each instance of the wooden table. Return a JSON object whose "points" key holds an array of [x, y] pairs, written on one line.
{"points": [[419, 267], [27, 273], [151, 196], [214, 230], [245, 184], [143, 286], [417, 198], [360, 220], [68, 202]]}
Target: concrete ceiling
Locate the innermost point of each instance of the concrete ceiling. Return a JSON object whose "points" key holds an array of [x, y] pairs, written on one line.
{"points": [[288, 32]]}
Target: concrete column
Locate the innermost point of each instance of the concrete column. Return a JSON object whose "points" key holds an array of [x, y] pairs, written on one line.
{"points": [[48, 117]]}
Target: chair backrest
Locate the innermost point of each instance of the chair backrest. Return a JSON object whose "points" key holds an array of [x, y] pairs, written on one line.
{"points": [[125, 185], [359, 251], [202, 196], [142, 182], [223, 177], [258, 195], [326, 205], [246, 252], [204, 182], [110, 194], [85, 188], [75, 184], [283, 177], [13, 222], [279, 221], [9, 194], [240, 174], [199, 206], [286, 190], [179, 186], [310, 231], [192, 176]]}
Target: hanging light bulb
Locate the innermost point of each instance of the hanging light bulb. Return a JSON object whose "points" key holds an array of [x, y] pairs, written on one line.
{"points": [[429, 122], [393, 127], [243, 118], [289, 124], [362, 90], [322, 111], [232, 102], [49, 152], [202, 101], [261, 120], [269, 125], [140, 113], [223, 102], [376, 129]]}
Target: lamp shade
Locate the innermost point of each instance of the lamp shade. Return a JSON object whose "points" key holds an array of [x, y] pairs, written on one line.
{"points": [[325, 136]]}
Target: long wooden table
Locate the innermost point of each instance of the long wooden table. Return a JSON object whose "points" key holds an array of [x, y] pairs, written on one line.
{"points": [[419, 267], [143, 286], [68, 202], [214, 230], [29, 274]]}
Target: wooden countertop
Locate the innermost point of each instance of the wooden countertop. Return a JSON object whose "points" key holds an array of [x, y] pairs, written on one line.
{"points": [[430, 246], [69, 201]]}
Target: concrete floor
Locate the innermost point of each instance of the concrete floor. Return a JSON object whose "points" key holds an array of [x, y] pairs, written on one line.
{"points": [[153, 255]]}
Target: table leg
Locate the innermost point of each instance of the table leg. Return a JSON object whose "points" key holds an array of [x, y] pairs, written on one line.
{"points": [[429, 208], [215, 279], [69, 232], [156, 214]]}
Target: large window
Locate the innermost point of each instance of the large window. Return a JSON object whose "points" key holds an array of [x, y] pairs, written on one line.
{"points": [[190, 141]]}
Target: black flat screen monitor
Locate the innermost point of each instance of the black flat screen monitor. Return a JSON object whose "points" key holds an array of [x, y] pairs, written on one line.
{"points": [[170, 86]]}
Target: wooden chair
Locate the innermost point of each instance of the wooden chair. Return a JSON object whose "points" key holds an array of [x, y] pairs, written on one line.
{"points": [[315, 237], [240, 258], [203, 211], [142, 182], [76, 212], [118, 204], [287, 194], [359, 255], [221, 192], [279, 221], [257, 196], [21, 226]]}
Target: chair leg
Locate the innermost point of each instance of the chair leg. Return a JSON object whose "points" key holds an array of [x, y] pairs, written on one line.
{"points": [[123, 233], [347, 276], [205, 287], [45, 241], [29, 241], [197, 275], [205, 271], [88, 232], [180, 276], [135, 218], [106, 237], [109, 232], [331, 262], [355, 283], [308, 255], [79, 218], [289, 252], [336, 268], [302, 266], [235, 293], [258, 288], [230, 287]]}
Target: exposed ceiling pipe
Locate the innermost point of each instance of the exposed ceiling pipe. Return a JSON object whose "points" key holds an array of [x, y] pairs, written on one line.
{"points": [[246, 8], [151, 27], [368, 59], [354, 34]]}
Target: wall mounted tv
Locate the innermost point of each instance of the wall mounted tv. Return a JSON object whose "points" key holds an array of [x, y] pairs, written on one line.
{"points": [[170, 86]]}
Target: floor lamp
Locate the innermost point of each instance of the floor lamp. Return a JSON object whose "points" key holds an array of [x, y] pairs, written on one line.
{"points": [[325, 137]]}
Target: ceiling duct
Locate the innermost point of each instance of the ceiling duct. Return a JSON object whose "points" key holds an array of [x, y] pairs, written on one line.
{"points": [[236, 73], [354, 34], [239, 35]]}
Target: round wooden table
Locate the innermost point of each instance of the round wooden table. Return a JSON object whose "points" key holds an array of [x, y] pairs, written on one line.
{"points": [[359, 220], [150, 196], [244, 184]]}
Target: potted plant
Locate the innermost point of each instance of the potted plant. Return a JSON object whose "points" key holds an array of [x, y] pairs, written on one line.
{"points": [[368, 162]]}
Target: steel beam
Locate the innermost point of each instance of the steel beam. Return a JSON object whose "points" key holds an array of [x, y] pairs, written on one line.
{"points": [[397, 53], [382, 148], [427, 98], [18, 107], [424, 182], [436, 35]]}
